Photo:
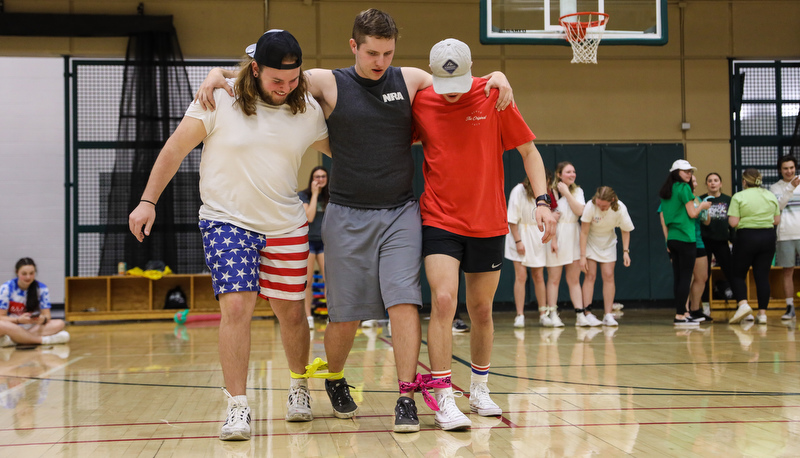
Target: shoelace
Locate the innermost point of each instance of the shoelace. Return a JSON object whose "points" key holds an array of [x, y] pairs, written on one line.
{"points": [[481, 394], [300, 396], [342, 396], [447, 404], [406, 409], [236, 410]]}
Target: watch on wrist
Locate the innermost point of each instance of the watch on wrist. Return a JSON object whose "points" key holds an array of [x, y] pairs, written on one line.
{"points": [[545, 198]]}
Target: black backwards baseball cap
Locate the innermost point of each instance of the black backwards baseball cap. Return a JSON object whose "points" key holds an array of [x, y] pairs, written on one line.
{"points": [[272, 47]]}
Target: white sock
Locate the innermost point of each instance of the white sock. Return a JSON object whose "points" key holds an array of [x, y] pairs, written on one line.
{"points": [[295, 382], [241, 400], [790, 301]]}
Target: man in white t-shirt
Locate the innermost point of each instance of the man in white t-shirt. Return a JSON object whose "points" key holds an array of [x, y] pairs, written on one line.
{"points": [[788, 245], [254, 228]]}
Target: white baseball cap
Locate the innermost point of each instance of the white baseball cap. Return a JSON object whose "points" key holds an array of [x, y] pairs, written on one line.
{"points": [[682, 164], [451, 63]]}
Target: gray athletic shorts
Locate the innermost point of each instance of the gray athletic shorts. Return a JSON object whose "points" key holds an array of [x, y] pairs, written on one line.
{"points": [[372, 260], [785, 252]]}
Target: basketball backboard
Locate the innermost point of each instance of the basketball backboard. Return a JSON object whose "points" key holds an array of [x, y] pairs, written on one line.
{"points": [[631, 22]]}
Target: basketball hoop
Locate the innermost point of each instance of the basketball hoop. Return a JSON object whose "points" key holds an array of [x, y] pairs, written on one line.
{"points": [[584, 31]]}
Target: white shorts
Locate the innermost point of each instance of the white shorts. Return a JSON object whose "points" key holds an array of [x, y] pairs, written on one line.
{"points": [[568, 236]]}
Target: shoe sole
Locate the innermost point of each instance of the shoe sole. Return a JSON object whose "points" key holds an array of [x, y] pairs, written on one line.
{"points": [[558, 325], [612, 325], [235, 436], [787, 318], [460, 330], [487, 412], [690, 324], [453, 427], [406, 428], [344, 415], [300, 417], [739, 316]]}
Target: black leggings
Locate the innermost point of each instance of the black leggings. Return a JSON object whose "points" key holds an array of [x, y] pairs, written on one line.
{"points": [[721, 251], [682, 255], [756, 248]]}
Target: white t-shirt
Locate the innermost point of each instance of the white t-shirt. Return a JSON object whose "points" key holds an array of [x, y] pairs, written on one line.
{"points": [[249, 165], [520, 212], [789, 202], [602, 240]]}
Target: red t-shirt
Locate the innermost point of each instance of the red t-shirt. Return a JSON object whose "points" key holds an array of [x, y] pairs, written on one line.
{"points": [[464, 144]]}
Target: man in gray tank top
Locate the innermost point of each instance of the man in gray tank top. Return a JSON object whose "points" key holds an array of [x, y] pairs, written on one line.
{"points": [[372, 229]]}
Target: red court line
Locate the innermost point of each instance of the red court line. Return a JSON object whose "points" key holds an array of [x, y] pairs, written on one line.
{"points": [[583, 425]]}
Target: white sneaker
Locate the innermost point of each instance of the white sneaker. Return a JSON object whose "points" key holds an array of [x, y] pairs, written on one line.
{"points": [[580, 319], [60, 337], [741, 312], [749, 318], [310, 319], [592, 320], [609, 320], [762, 319], [6, 341], [519, 321], [449, 417], [481, 403], [369, 323], [555, 319], [545, 321], [298, 407], [617, 306], [237, 423]]}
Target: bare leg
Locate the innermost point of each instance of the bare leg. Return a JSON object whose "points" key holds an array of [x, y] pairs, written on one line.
{"points": [[480, 294], [539, 288], [553, 281], [406, 339], [339, 338], [294, 332], [574, 283], [609, 287], [234, 338], [788, 282], [442, 272], [520, 277], [588, 282]]}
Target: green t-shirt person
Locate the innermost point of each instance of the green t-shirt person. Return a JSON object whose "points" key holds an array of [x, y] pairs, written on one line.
{"points": [[755, 207], [680, 226]]}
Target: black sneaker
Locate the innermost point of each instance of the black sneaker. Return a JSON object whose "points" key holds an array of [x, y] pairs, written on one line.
{"points": [[339, 394], [459, 325], [699, 316], [405, 416]]}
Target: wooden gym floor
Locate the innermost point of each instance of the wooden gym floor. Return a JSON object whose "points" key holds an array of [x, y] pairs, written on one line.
{"points": [[646, 389]]}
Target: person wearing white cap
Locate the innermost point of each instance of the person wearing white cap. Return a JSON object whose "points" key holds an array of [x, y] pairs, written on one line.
{"points": [[372, 231], [464, 213], [679, 211], [254, 228]]}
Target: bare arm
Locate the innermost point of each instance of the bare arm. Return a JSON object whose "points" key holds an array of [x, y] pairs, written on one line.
{"points": [[574, 205], [214, 79], [499, 81], [187, 136], [584, 237], [663, 225], [693, 211], [534, 168], [514, 229], [626, 250]]}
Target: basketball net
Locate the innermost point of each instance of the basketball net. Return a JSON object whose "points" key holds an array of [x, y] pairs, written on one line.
{"points": [[584, 32]]}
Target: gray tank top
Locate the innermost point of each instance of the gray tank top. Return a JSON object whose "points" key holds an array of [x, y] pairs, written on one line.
{"points": [[370, 137]]}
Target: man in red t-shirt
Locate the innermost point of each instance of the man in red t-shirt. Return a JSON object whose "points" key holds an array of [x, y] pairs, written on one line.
{"points": [[463, 212]]}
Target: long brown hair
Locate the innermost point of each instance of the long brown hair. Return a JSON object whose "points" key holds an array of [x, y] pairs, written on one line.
{"points": [[607, 194], [526, 183], [559, 169], [248, 90]]}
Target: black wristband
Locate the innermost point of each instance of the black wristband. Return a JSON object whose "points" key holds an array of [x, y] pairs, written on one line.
{"points": [[149, 202], [517, 241]]}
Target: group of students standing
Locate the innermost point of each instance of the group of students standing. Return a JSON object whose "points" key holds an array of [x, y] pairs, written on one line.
{"points": [[585, 238], [755, 219]]}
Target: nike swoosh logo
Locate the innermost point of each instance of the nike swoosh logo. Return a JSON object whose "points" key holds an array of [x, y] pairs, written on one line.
{"points": [[495, 266]]}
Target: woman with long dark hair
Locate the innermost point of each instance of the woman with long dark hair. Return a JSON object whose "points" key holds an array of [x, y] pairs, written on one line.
{"points": [[315, 198], [25, 310], [715, 230], [679, 211], [754, 213]]}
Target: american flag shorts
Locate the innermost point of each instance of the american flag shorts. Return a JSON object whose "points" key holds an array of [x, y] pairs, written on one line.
{"points": [[242, 260]]}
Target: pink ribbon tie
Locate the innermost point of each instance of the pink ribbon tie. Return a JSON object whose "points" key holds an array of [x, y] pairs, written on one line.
{"points": [[423, 383]]}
